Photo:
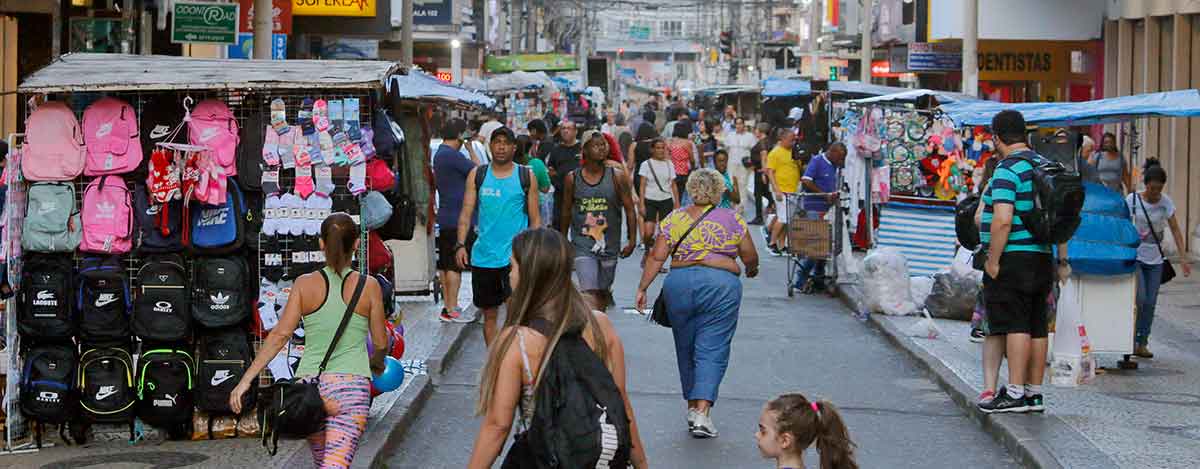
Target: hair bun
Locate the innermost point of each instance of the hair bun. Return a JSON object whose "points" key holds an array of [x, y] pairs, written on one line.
{"points": [[1151, 162]]}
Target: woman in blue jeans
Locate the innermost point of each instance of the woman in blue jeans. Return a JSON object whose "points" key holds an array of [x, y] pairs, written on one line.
{"points": [[1152, 212], [703, 290]]}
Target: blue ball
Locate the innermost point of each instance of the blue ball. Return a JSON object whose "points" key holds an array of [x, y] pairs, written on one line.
{"points": [[391, 378]]}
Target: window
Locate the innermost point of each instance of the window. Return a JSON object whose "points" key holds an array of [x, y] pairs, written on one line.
{"points": [[622, 27], [671, 28]]}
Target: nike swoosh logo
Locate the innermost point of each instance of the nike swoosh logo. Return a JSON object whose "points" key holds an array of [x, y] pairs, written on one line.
{"points": [[100, 396], [105, 302], [159, 132], [217, 380]]}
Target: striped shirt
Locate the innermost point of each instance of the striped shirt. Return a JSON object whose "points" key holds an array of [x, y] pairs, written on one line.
{"points": [[1012, 184]]}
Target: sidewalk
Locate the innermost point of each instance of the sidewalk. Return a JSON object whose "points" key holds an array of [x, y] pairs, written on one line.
{"points": [[1145, 418]]}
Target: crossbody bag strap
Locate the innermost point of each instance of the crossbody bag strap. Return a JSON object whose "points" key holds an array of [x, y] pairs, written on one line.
{"points": [[689, 231], [1157, 242], [654, 173], [358, 288]]}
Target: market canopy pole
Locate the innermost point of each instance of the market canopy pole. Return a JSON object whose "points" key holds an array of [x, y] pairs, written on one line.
{"points": [[263, 23], [406, 35], [864, 72], [970, 48]]}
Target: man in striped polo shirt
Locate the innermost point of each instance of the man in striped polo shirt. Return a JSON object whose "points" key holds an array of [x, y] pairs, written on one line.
{"points": [[1019, 273]]}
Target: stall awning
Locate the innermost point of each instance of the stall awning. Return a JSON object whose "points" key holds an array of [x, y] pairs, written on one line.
{"points": [[727, 89], [516, 81], [912, 96], [418, 85], [779, 88], [117, 72], [1183, 103]]}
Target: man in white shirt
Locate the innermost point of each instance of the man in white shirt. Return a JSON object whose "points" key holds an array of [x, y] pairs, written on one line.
{"points": [[739, 142], [488, 127]]}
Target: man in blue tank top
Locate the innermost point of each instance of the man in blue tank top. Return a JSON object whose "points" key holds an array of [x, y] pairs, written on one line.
{"points": [[505, 209]]}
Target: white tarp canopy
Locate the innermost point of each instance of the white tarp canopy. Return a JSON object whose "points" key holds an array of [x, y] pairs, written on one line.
{"points": [[911, 96], [515, 81]]}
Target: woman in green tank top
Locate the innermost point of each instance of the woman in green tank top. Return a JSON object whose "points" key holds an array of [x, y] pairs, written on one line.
{"points": [[321, 298]]}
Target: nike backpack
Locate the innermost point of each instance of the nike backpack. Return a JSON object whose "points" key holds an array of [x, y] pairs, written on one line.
{"points": [[224, 356], [159, 226], [162, 310], [107, 216], [106, 393], [52, 224], [47, 384], [54, 140], [219, 297], [164, 387], [213, 125], [103, 301], [1058, 202], [45, 299], [218, 229], [110, 130]]}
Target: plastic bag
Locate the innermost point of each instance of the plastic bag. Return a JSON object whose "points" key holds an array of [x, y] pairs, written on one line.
{"points": [[952, 297], [885, 279], [925, 328], [919, 288]]}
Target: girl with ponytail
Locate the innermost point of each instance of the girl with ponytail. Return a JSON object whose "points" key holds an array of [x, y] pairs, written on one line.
{"points": [[790, 423]]}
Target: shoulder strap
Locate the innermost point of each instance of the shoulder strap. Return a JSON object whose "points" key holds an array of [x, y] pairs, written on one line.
{"points": [[523, 173], [480, 175], [1153, 232], [654, 173], [358, 288], [689, 231]]}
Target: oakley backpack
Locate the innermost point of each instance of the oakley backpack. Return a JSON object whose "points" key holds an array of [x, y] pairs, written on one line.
{"points": [[213, 125], [218, 229], [45, 299], [106, 393], [103, 301], [161, 312], [110, 130], [1057, 202], [54, 140], [219, 297], [164, 387], [52, 224], [224, 356], [160, 226], [47, 384], [107, 217]]}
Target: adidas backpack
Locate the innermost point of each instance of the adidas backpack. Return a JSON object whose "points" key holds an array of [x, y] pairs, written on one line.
{"points": [[164, 387], [160, 226], [218, 229], [54, 140], [224, 356], [219, 286], [47, 383], [162, 311], [1058, 202], [52, 224], [103, 301], [110, 130], [107, 216], [106, 393], [45, 298], [213, 125]]}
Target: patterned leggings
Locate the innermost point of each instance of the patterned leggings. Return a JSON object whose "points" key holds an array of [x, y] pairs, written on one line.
{"points": [[347, 401]]}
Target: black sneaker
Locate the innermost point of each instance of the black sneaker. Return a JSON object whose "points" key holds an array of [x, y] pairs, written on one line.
{"points": [[1035, 403], [1003, 403], [976, 335]]}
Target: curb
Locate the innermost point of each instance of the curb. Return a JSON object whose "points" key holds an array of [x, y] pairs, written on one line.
{"points": [[1006, 429]]}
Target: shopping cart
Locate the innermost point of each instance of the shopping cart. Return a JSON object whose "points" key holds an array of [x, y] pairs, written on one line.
{"points": [[810, 237]]}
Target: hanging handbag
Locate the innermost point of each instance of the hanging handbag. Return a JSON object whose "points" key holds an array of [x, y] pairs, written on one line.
{"points": [[659, 314], [295, 409], [1168, 272]]}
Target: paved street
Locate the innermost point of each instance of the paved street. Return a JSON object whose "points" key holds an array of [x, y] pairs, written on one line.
{"points": [[896, 414]]}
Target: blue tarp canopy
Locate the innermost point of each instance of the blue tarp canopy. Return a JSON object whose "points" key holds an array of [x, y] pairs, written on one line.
{"points": [[779, 88], [911, 96], [1183, 103], [418, 85]]}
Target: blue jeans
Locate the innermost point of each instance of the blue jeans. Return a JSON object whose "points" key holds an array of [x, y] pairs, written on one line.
{"points": [[1149, 280], [703, 304]]}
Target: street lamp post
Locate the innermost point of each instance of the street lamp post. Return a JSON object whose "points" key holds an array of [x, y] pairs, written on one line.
{"points": [[455, 61]]}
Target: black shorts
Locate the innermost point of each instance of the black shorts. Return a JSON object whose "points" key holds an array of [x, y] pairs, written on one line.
{"points": [[657, 210], [490, 287], [446, 240], [1016, 301]]}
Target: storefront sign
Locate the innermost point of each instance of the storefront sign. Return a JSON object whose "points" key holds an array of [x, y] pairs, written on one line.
{"points": [[281, 16], [881, 69], [934, 57], [198, 22], [639, 32], [334, 7], [444, 77], [898, 58], [244, 49], [349, 48], [431, 11], [531, 63], [1026, 60]]}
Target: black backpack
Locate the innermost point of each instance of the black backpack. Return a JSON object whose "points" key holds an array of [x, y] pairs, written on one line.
{"points": [[106, 393], [103, 300], [579, 415], [162, 311], [389, 137], [46, 297], [164, 387], [158, 232], [224, 356], [1058, 201], [964, 222], [219, 286], [403, 221], [250, 144], [48, 383]]}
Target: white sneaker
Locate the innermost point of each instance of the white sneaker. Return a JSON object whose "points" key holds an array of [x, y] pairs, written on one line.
{"points": [[692, 416], [704, 427]]}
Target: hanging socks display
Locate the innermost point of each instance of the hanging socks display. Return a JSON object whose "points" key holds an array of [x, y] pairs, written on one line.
{"points": [[293, 222], [287, 147], [327, 148], [268, 296], [350, 115], [270, 180], [323, 177], [318, 207], [272, 217], [335, 115], [279, 116], [358, 179], [367, 142], [270, 153], [320, 112], [340, 141]]}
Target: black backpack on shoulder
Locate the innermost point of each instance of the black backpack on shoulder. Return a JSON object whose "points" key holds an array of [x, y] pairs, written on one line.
{"points": [[46, 297], [1058, 201], [106, 392], [164, 387], [964, 222], [224, 356], [219, 286], [162, 311], [104, 303]]}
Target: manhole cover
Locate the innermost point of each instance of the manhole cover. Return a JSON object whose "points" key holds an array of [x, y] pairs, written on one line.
{"points": [[154, 459]]}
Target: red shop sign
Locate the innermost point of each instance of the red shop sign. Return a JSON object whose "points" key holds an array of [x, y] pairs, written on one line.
{"points": [[282, 16]]}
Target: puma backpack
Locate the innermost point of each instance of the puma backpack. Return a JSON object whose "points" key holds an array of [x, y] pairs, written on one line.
{"points": [[162, 310], [52, 223], [103, 301], [224, 356], [45, 299], [53, 139], [106, 393], [110, 130], [219, 285], [107, 216], [164, 387]]}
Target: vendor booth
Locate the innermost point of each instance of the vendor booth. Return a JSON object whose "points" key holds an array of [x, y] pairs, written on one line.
{"points": [[158, 210], [522, 96]]}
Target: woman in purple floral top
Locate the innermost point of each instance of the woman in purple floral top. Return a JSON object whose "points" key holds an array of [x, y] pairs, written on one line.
{"points": [[703, 291]]}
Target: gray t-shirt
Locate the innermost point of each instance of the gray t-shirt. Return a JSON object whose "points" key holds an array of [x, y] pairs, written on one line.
{"points": [[596, 216], [1109, 171], [1160, 212]]}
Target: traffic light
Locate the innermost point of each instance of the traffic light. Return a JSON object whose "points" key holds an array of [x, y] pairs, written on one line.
{"points": [[727, 42], [733, 71]]}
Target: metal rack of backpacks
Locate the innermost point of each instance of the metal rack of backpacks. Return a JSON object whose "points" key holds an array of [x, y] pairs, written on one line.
{"points": [[158, 102]]}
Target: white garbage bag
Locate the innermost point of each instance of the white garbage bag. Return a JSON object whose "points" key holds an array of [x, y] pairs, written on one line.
{"points": [[885, 279], [919, 288]]}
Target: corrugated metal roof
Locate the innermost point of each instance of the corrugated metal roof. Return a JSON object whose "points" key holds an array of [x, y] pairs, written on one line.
{"points": [[119, 72]]}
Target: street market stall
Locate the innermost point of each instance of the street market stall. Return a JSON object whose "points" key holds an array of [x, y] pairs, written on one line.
{"points": [[523, 96], [745, 98]]}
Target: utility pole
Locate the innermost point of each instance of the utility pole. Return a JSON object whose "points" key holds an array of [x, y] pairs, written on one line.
{"points": [[514, 23], [970, 49], [864, 72], [814, 31], [582, 49], [263, 22], [530, 27], [406, 34]]}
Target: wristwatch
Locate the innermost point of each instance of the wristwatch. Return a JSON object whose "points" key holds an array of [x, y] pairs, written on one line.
{"points": [[458, 246]]}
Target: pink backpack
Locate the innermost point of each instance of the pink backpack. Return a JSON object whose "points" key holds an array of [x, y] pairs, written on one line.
{"points": [[212, 125], [110, 129], [54, 141], [107, 216]]}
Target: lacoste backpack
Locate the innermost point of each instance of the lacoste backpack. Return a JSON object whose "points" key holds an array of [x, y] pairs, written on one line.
{"points": [[110, 130], [103, 301], [47, 383], [107, 216], [162, 311], [219, 297], [164, 387], [54, 140], [106, 393], [218, 229], [46, 298], [213, 125], [52, 223], [224, 356]]}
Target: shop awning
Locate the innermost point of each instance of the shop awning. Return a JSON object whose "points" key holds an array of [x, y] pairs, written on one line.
{"points": [[1182, 103], [779, 88], [118, 72], [727, 89], [515, 81], [912, 96], [418, 85]]}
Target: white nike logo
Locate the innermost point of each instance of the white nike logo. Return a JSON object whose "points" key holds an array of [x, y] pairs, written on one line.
{"points": [[105, 391], [105, 299], [221, 376]]}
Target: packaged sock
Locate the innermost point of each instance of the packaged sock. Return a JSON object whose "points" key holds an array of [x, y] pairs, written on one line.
{"points": [[270, 180], [268, 295], [271, 214], [323, 179], [327, 147], [367, 142], [350, 110], [293, 223], [358, 179], [283, 290], [340, 140], [320, 112], [354, 152], [335, 114], [305, 116], [318, 208], [279, 116], [272, 258], [270, 153], [287, 145], [304, 181]]}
